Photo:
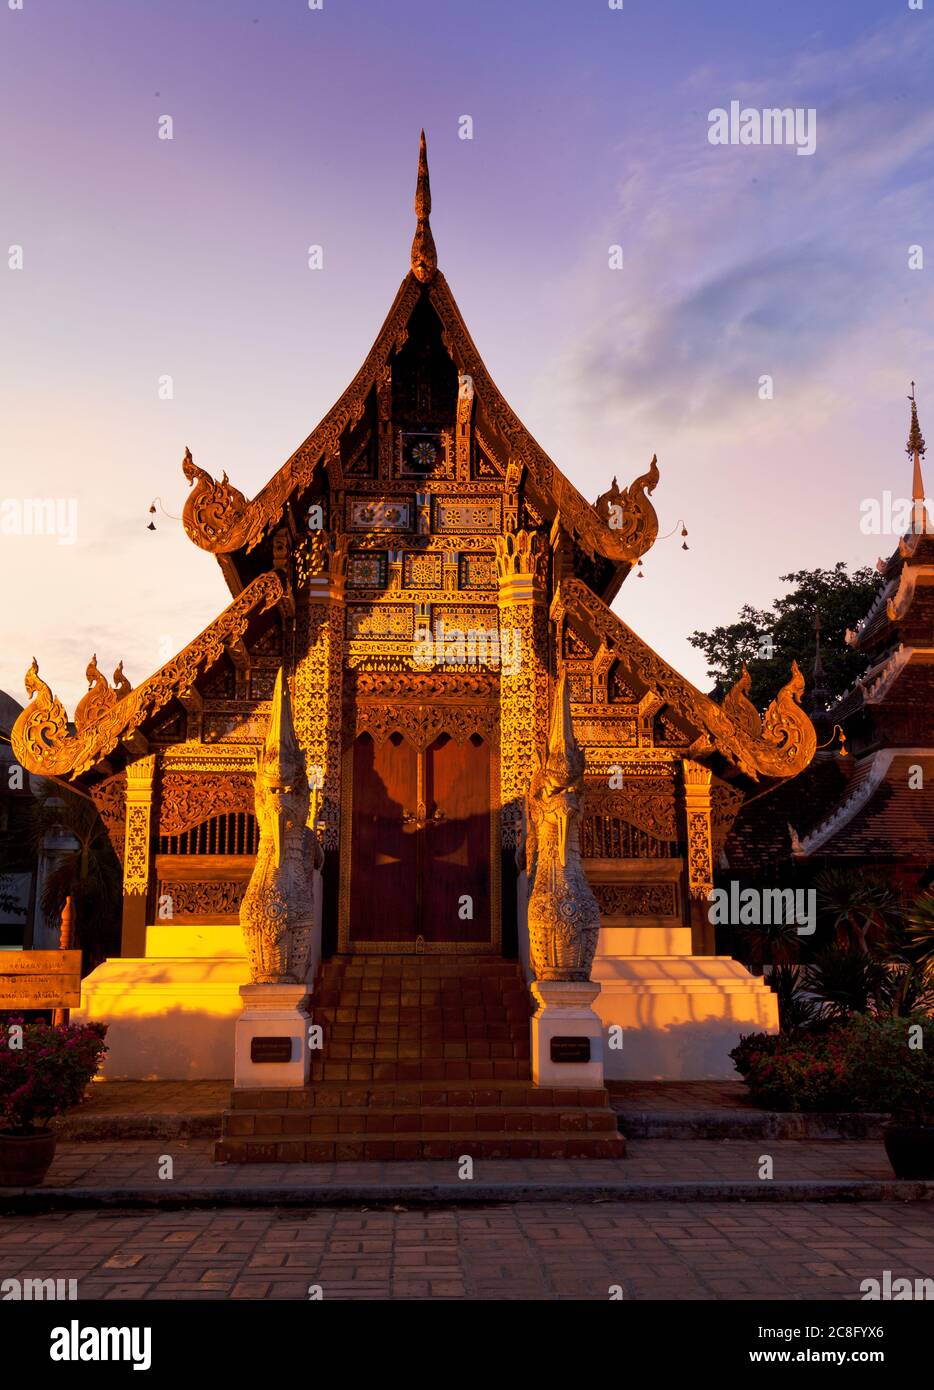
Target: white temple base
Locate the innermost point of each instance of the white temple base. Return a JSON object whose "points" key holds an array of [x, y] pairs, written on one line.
{"points": [[273, 1012], [680, 1015], [168, 1019], [565, 1013]]}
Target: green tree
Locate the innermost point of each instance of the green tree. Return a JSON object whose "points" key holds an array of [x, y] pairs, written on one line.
{"points": [[768, 640]]}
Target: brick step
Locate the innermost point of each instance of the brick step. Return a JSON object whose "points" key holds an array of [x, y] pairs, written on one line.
{"points": [[376, 1033], [440, 1069], [439, 984], [345, 1148], [358, 1120], [458, 967], [421, 999], [506, 993], [415, 1095], [453, 989], [413, 1029], [420, 1018], [424, 1050]]}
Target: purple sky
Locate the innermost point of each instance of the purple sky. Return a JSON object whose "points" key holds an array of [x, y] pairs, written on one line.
{"points": [[144, 257]]}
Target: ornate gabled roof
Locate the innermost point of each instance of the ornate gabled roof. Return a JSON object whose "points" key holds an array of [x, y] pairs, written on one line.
{"points": [[883, 813], [760, 839], [780, 744], [621, 527], [41, 737]]}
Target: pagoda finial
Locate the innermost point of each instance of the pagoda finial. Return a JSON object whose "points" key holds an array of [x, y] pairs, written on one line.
{"points": [[915, 449], [424, 255]]}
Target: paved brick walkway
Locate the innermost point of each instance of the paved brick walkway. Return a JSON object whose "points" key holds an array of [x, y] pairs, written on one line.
{"points": [[679, 1095], [540, 1251], [155, 1098], [213, 1097], [136, 1164]]}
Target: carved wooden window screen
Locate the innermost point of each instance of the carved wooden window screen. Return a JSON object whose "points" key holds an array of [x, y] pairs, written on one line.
{"points": [[232, 833], [610, 837]]}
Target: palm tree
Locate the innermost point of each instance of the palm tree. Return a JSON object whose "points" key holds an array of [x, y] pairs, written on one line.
{"points": [[797, 1010], [911, 990], [772, 943], [920, 937], [846, 979], [865, 911]]}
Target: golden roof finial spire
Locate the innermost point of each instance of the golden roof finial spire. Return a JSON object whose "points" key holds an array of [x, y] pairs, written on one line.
{"points": [[424, 255], [915, 449]]}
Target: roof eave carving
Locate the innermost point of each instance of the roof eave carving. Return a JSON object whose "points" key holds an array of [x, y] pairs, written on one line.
{"points": [[41, 739], [779, 744], [218, 518], [621, 527]]}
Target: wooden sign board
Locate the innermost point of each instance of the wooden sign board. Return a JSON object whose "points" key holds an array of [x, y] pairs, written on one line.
{"points": [[40, 979]]}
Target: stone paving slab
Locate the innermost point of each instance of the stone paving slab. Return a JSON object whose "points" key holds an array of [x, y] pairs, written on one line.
{"points": [[93, 1174], [723, 1110], [754, 1124], [680, 1095], [147, 1109], [538, 1251]]}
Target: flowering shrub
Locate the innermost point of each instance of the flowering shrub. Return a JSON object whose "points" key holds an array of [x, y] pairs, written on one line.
{"points": [[48, 1073], [888, 1073], [864, 1064]]}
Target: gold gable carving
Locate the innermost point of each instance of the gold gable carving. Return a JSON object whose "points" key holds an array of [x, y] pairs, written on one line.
{"points": [[218, 518], [186, 799], [648, 803], [421, 724], [786, 742], [110, 799], [41, 738]]}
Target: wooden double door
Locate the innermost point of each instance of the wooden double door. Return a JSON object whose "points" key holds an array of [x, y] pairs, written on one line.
{"points": [[420, 874]]}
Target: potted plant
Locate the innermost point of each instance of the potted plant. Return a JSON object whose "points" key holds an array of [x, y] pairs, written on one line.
{"points": [[909, 1135], [44, 1070], [893, 1065]]}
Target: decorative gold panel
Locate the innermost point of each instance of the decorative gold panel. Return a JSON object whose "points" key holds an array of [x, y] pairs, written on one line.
{"points": [[621, 732], [422, 571], [380, 622], [478, 572], [637, 899], [379, 514], [366, 570], [467, 514]]}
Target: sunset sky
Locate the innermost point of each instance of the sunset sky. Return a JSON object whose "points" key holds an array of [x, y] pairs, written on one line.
{"points": [[188, 257]]}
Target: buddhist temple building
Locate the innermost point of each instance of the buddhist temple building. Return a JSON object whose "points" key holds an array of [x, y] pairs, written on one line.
{"points": [[873, 808], [430, 584]]}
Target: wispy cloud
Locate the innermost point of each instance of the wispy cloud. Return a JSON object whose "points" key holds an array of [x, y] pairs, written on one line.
{"points": [[742, 261]]}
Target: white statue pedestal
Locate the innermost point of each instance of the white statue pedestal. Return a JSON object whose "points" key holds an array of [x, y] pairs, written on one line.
{"points": [[566, 1026], [273, 1016]]}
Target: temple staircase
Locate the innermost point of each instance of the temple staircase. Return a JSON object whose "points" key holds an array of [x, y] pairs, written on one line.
{"points": [[425, 1057]]}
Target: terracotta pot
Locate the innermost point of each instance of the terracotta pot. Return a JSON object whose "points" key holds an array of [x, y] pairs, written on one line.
{"points": [[910, 1149], [25, 1158]]}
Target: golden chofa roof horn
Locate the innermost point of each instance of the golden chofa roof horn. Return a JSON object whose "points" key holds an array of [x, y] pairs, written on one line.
{"points": [[424, 255]]}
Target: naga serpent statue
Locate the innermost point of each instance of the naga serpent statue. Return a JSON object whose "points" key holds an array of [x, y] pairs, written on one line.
{"points": [[277, 911], [564, 917]]}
